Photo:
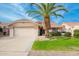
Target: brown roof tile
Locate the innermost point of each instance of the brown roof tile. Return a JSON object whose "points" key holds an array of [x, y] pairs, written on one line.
{"points": [[72, 23]]}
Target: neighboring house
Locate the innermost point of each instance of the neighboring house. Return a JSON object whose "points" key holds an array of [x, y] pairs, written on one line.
{"points": [[23, 28], [4, 29], [3, 24], [70, 26]]}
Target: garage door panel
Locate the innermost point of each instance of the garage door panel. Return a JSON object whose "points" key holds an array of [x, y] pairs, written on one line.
{"points": [[25, 32]]}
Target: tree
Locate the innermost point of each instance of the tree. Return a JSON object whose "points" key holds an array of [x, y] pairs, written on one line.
{"points": [[46, 10]]}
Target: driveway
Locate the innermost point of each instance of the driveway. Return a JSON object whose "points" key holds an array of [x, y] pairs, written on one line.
{"points": [[16, 46]]}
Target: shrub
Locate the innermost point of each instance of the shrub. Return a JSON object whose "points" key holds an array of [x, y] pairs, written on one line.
{"points": [[54, 34], [68, 34], [76, 33]]}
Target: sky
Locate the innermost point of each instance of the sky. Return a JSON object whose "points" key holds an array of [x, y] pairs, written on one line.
{"points": [[12, 12]]}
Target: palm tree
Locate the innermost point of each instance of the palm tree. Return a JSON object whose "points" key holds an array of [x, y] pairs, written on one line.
{"points": [[46, 10]]}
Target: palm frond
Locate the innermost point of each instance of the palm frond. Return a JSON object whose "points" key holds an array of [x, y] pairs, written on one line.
{"points": [[62, 9], [38, 6], [48, 9], [57, 7], [51, 6], [36, 16], [43, 5], [31, 12], [57, 15]]}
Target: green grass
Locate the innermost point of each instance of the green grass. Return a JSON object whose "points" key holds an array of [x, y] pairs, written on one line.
{"points": [[61, 44]]}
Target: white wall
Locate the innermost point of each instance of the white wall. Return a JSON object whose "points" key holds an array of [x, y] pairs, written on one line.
{"points": [[23, 32], [71, 29], [67, 27], [11, 32]]}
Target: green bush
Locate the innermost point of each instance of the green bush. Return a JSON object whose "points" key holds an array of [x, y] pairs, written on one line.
{"points": [[54, 34], [68, 34], [76, 33]]}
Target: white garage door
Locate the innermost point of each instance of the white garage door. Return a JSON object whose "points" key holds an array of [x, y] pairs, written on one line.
{"points": [[25, 32]]}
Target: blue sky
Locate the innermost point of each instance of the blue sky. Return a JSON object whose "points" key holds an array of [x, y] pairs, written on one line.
{"points": [[11, 12]]}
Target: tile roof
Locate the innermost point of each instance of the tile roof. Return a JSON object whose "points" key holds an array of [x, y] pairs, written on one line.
{"points": [[20, 21], [72, 23], [52, 24]]}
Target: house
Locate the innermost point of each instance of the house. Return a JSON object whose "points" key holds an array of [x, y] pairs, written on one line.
{"points": [[70, 26], [3, 24], [23, 28], [28, 28], [52, 25]]}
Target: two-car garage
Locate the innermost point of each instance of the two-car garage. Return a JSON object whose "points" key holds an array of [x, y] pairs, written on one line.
{"points": [[22, 35], [23, 28]]}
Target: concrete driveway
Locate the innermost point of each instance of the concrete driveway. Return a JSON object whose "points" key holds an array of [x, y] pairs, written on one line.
{"points": [[16, 46]]}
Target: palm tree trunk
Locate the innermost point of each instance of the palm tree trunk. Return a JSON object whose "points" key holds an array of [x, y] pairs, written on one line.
{"points": [[47, 25]]}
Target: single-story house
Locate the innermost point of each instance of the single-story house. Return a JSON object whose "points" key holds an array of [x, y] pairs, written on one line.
{"points": [[23, 28], [29, 28], [3, 24], [2, 29], [70, 26]]}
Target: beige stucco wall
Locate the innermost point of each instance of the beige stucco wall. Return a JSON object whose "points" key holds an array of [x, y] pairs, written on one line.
{"points": [[67, 27], [70, 28], [20, 29], [25, 32]]}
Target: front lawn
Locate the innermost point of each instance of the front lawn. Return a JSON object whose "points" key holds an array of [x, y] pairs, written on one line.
{"points": [[59, 44]]}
